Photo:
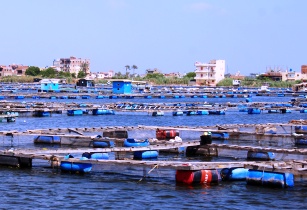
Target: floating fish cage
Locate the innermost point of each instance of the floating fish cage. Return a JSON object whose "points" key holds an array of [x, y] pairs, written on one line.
{"points": [[269, 179], [19, 162], [47, 139], [208, 177]]}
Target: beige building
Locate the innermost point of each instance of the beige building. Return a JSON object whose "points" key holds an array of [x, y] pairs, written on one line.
{"points": [[72, 65], [211, 73], [12, 70]]}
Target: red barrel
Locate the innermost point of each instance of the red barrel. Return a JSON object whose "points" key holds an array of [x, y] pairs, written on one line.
{"points": [[166, 134], [198, 177]]}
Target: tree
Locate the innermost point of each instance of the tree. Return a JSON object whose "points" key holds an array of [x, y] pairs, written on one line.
{"points": [[84, 67], [49, 72], [32, 71], [127, 68], [134, 67], [73, 75], [81, 74], [190, 75]]}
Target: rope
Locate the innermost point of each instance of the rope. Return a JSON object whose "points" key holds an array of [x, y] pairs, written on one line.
{"points": [[156, 166]]}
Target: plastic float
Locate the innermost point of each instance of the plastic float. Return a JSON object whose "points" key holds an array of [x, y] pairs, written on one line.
{"points": [[103, 112], [269, 179], [301, 129], [63, 97], [202, 112], [41, 114], [99, 97], [148, 97], [208, 177], [74, 112], [151, 154], [85, 97], [96, 155], [178, 113], [112, 97], [19, 97], [303, 111], [216, 135], [157, 113], [53, 97], [47, 139], [67, 166], [162, 134], [253, 111], [103, 144], [130, 142], [233, 174], [190, 113], [217, 112], [255, 155]]}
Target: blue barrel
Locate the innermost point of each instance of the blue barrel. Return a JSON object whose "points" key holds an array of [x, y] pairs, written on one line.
{"points": [[176, 96], [255, 155], [112, 97], [151, 154], [2, 97], [103, 144], [96, 155], [234, 174], [63, 97], [19, 97], [162, 96], [148, 97], [47, 139], [202, 112], [99, 97], [270, 179], [182, 96], [253, 111], [67, 166], [85, 97], [52, 97], [74, 112]]}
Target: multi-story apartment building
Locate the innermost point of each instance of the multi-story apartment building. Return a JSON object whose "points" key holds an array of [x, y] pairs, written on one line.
{"points": [[72, 65], [211, 73]]}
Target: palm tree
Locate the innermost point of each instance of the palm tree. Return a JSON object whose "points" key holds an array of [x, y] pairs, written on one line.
{"points": [[134, 67], [127, 68]]}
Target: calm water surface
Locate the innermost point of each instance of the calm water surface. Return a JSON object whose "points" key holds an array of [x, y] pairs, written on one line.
{"points": [[108, 187]]}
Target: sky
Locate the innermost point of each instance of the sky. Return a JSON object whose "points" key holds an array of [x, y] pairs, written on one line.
{"points": [[170, 35]]}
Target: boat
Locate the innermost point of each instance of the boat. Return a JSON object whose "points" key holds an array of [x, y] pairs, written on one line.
{"points": [[264, 89], [130, 142]]}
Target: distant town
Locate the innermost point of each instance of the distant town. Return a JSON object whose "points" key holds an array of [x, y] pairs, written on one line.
{"points": [[207, 74]]}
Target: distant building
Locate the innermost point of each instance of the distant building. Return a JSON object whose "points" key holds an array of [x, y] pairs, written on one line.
{"points": [[12, 70], [102, 75], [177, 75], [153, 71], [72, 65], [283, 75], [211, 73], [304, 69]]}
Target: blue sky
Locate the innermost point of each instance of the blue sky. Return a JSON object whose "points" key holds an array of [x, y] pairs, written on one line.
{"points": [[166, 34]]}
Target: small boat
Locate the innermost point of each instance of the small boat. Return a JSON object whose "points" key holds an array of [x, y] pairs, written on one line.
{"points": [[130, 142]]}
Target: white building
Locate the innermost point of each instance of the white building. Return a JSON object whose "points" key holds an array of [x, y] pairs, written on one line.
{"points": [[72, 65], [211, 73]]}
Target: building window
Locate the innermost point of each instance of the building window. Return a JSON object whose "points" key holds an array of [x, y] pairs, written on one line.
{"points": [[201, 68], [201, 75]]}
